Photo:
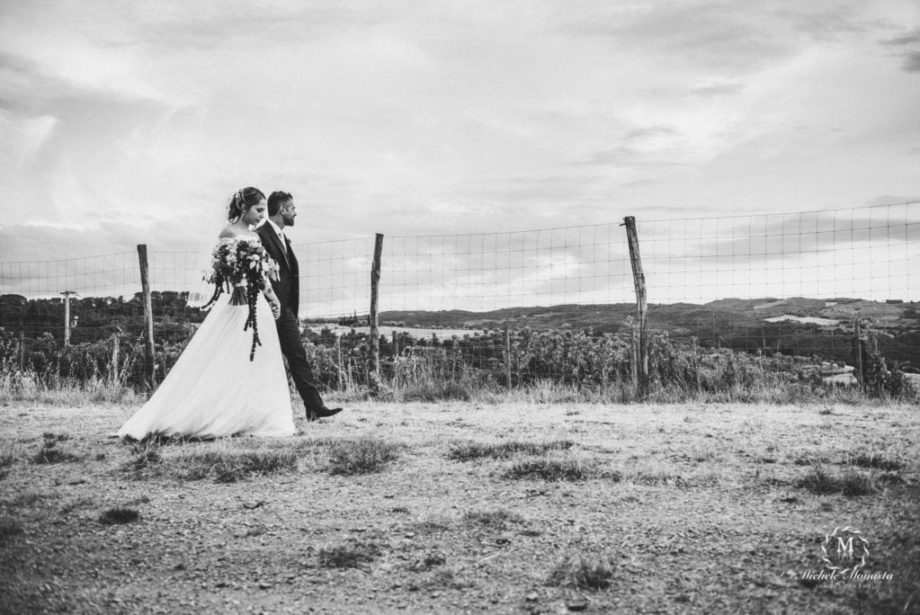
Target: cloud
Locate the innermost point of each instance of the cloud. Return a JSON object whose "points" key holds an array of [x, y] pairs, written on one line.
{"points": [[912, 62], [907, 39], [719, 89], [134, 122], [733, 39], [845, 235], [911, 56], [651, 131]]}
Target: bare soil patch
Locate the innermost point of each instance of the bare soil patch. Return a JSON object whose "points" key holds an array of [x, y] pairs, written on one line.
{"points": [[460, 507]]}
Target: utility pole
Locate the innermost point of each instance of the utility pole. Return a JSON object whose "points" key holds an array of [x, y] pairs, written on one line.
{"points": [[67, 294]]}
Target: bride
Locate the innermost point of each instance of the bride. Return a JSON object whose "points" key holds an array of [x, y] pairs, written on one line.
{"points": [[229, 380]]}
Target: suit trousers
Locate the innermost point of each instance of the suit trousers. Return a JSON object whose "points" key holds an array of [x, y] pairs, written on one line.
{"points": [[293, 350]]}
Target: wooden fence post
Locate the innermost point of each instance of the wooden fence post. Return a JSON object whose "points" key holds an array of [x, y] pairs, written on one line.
{"points": [[149, 355], [67, 294], [375, 288], [696, 364], [641, 303], [857, 353], [341, 377], [633, 357], [22, 348], [116, 343], [508, 356]]}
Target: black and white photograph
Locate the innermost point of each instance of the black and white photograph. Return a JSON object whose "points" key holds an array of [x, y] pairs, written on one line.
{"points": [[438, 306]]}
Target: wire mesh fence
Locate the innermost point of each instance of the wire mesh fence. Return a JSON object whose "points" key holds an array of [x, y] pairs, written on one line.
{"points": [[525, 306]]}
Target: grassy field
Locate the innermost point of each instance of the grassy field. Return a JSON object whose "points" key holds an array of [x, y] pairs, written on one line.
{"points": [[464, 507]]}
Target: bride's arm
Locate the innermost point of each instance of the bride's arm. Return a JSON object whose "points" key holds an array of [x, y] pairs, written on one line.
{"points": [[272, 298]]}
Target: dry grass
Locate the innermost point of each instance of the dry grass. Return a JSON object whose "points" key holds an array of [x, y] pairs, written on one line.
{"points": [[823, 482], [468, 451], [62, 391], [51, 452], [552, 470], [228, 466], [875, 461]]}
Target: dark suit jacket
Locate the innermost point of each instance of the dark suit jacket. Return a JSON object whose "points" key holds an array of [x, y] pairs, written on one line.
{"points": [[287, 286]]}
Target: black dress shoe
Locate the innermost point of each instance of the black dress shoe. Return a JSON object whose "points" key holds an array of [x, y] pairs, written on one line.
{"points": [[322, 413]]}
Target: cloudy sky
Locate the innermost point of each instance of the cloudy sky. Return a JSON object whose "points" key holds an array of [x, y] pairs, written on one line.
{"points": [[131, 122]]}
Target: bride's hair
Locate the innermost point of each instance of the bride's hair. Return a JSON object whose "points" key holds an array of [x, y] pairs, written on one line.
{"points": [[242, 200]]}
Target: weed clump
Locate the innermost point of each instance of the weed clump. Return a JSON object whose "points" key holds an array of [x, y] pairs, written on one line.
{"points": [[231, 466], [582, 572], [876, 461], [363, 456], [348, 555], [851, 484], [7, 459], [146, 457], [854, 484], [819, 482], [9, 527], [550, 470], [468, 451], [115, 516], [49, 451], [492, 519]]}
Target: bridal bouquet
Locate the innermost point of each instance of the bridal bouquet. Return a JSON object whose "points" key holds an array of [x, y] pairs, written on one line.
{"points": [[241, 267]]}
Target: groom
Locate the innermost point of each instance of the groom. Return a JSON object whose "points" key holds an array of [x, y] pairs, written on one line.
{"points": [[281, 214]]}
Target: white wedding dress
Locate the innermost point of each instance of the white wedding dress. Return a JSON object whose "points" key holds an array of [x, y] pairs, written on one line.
{"points": [[214, 390]]}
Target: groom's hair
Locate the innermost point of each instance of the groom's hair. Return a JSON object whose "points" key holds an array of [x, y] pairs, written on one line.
{"points": [[275, 200]]}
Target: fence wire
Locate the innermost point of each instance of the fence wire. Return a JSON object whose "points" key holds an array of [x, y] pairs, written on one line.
{"points": [[772, 285]]}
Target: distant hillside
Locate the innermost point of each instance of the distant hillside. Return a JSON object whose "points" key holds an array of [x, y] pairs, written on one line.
{"points": [[790, 326], [611, 317]]}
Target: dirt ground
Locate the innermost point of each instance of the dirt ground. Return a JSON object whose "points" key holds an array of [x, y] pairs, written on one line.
{"points": [[681, 509]]}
